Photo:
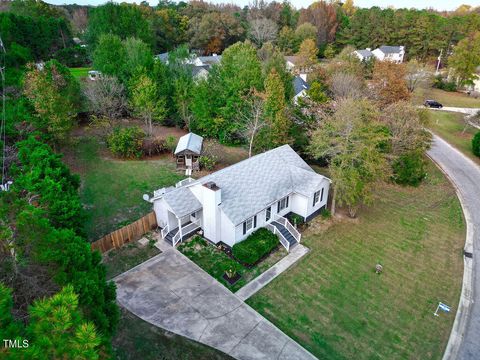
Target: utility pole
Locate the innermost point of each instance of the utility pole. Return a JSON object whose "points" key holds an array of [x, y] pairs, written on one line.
{"points": [[438, 61]]}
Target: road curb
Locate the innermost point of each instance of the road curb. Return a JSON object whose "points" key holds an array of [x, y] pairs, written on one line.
{"points": [[464, 306]]}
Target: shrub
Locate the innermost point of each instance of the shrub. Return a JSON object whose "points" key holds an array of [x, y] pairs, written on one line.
{"points": [[409, 169], [440, 83], [170, 143], [207, 162], [296, 219], [326, 214], [153, 146], [126, 142], [476, 144], [256, 246]]}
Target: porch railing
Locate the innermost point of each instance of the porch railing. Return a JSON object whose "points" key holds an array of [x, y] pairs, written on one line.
{"points": [[176, 239], [164, 232], [191, 227], [289, 227], [282, 239]]}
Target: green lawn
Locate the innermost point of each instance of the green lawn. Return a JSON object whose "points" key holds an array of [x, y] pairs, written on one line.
{"points": [[450, 127], [446, 98], [117, 261], [136, 339], [112, 189], [334, 304], [81, 72], [216, 262]]}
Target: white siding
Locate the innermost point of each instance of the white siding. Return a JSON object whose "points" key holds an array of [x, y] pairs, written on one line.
{"points": [[227, 230], [310, 208], [299, 204], [161, 212]]}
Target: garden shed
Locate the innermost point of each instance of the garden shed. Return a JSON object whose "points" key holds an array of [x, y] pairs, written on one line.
{"points": [[188, 151]]}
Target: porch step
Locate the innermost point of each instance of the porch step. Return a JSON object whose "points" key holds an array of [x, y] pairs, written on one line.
{"points": [[169, 237], [285, 233]]}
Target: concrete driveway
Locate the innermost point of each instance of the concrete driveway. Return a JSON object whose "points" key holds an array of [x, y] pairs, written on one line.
{"points": [[173, 293], [468, 111], [464, 342]]}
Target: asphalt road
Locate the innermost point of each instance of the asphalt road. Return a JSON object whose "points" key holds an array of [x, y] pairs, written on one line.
{"points": [[464, 343]]}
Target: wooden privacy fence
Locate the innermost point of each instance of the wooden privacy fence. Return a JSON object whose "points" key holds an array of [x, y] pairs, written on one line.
{"points": [[126, 234]]}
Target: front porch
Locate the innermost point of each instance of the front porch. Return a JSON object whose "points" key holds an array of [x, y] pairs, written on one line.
{"points": [[180, 228]]}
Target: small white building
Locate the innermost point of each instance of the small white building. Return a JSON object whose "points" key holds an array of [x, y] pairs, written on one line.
{"points": [[395, 54], [228, 205]]}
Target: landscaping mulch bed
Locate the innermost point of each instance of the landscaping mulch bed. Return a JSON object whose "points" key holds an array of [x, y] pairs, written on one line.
{"points": [[232, 280]]}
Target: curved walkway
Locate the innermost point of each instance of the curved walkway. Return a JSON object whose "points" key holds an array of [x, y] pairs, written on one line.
{"points": [[464, 342], [173, 293]]}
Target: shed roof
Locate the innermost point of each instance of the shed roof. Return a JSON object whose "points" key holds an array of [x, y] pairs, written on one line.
{"points": [[191, 142]]}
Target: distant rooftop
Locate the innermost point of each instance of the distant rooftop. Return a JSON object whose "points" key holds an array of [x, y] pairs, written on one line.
{"points": [[391, 49], [299, 85]]}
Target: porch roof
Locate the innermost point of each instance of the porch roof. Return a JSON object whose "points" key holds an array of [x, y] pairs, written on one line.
{"points": [[182, 202]]}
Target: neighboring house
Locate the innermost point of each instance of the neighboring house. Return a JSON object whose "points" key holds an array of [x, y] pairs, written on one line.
{"points": [[364, 55], [200, 72], [228, 205], [390, 53], [291, 62], [188, 151], [300, 87], [163, 57], [207, 60]]}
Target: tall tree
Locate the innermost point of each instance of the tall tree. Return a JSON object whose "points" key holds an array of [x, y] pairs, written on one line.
{"points": [[55, 96], [307, 54], [350, 140], [123, 20], [466, 58], [275, 109], [146, 101], [389, 83], [262, 30], [109, 56], [323, 15]]}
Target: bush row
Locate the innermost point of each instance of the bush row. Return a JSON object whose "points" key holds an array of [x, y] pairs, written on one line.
{"points": [[255, 247]]}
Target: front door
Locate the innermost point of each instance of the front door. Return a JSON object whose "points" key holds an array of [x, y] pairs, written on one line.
{"points": [[188, 161]]}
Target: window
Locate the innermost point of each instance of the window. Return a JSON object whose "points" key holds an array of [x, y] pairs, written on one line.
{"points": [[282, 204], [316, 197], [268, 214], [249, 224]]}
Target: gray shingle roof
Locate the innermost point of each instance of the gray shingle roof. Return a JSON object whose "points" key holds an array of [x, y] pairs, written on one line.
{"points": [[191, 141], [251, 185], [365, 53], [182, 201], [390, 49], [163, 57], [210, 60], [299, 85]]}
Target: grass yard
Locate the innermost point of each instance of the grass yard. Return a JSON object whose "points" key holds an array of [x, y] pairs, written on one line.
{"points": [[446, 98], [334, 304], [112, 189], [117, 261], [449, 126], [137, 339], [79, 73], [215, 261]]}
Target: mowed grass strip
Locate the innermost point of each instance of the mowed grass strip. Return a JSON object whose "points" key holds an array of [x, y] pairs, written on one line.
{"points": [[451, 127], [79, 73], [112, 189], [334, 304], [446, 98]]}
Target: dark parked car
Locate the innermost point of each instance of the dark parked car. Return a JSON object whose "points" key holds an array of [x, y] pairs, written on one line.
{"points": [[432, 104]]}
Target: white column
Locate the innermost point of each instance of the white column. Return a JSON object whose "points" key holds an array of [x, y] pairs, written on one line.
{"points": [[180, 228]]}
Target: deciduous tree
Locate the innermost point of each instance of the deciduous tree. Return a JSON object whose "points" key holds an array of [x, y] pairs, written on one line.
{"points": [[146, 101], [262, 30], [54, 94], [466, 58], [389, 83], [350, 140]]}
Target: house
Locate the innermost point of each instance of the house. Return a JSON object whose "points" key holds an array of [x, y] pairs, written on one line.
{"points": [[291, 62], [188, 151], [200, 72], [207, 60], [163, 57], [364, 55], [228, 205], [390, 53], [300, 87]]}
